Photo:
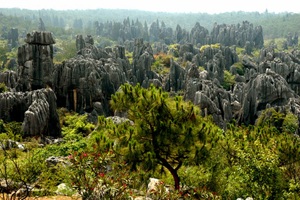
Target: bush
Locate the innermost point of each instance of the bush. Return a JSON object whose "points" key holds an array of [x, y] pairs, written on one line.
{"points": [[3, 88], [229, 80]]}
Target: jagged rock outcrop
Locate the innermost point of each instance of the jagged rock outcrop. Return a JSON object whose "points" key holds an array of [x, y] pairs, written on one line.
{"points": [[86, 82], [35, 60], [199, 35], [9, 78], [292, 40], [286, 64], [36, 109], [238, 34], [142, 62], [176, 78], [211, 98], [42, 26], [265, 89], [13, 37]]}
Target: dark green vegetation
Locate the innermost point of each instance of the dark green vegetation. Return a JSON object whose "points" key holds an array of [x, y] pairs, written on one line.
{"points": [[162, 135]]}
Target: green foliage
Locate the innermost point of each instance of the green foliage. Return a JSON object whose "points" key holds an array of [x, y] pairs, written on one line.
{"points": [[290, 123], [229, 80], [75, 127], [213, 46], [3, 51], [240, 69], [129, 55], [11, 130], [277, 121], [91, 173], [3, 88], [174, 50], [252, 168], [167, 131], [66, 50], [162, 63]]}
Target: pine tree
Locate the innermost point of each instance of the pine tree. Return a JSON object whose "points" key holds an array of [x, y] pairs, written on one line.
{"points": [[166, 132]]}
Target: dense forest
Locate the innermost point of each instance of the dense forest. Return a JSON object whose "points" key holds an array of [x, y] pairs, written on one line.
{"points": [[127, 104]]}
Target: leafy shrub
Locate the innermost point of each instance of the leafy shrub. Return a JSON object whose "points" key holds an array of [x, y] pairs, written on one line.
{"points": [[229, 80], [214, 46], [3, 88], [95, 175]]}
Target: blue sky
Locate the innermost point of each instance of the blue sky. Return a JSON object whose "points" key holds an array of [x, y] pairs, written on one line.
{"points": [[203, 6]]}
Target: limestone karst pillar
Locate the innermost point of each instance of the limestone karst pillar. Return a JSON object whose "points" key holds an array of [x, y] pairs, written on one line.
{"points": [[35, 60]]}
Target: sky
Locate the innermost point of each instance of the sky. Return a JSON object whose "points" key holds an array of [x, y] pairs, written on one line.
{"points": [[186, 6]]}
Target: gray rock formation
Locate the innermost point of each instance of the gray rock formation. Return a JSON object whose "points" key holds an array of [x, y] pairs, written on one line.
{"points": [[90, 78], [176, 79], [35, 59], [42, 26], [9, 78], [265, 89], [13, 37], [142, 62], [286, 64], [36, 109], [199, 35], [238, 34]]}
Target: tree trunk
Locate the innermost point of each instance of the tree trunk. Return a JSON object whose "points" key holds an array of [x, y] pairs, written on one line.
{"points": [[176, 179]]}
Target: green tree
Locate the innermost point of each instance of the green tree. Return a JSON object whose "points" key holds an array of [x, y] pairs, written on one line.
{"points": [[167, 131]]}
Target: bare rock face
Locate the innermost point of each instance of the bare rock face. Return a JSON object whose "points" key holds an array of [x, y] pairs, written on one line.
{"points": [[12, 37], [37, 110], [265, 89], [199, 35], [90, 78], [175, 80], [142, 61], [285, 64], [211, 98], [35, 60], [238, 34], [9, 78]]}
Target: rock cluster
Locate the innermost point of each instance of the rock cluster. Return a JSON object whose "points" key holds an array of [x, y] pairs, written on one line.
{"points": [[86, 82], [36, 109]]}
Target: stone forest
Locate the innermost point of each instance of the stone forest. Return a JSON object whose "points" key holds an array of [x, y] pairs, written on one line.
{"points": [[123, 111]]}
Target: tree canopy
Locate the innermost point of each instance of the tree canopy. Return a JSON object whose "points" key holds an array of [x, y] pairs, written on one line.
{"points": [[168, 131]]}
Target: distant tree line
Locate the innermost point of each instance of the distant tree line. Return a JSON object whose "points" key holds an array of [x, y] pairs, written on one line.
{"points": [[274, 25]]}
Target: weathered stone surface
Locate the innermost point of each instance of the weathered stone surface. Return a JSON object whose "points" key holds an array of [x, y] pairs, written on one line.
{"points": [[238, 34], [35, 61], [142, 62], [199, 35], [13, 37], [93, 76], [285, 64], [9, 78], [36, 109], [211, 98], [175, 80], [269, 88], [40, 38], [42, 26], [80, 43]]}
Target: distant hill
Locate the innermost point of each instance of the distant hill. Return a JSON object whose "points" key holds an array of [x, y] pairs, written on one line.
{"points": [[274, 25]]}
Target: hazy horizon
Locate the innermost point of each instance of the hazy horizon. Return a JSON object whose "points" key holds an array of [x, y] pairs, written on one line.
{"points": [[187, 6]]}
